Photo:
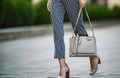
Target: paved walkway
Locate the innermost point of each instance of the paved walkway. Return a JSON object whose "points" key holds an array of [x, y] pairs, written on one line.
{"points": [[33, 57]]}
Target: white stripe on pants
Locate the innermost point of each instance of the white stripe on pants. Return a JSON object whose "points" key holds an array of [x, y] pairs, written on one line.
{"points": [[58, 8]]}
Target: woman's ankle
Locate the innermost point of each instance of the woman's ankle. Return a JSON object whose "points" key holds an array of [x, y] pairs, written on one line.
{"points": [[93, 62]]}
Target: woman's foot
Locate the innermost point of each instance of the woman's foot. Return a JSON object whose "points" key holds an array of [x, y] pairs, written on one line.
{"points": [[94, 61], [64, 72]]}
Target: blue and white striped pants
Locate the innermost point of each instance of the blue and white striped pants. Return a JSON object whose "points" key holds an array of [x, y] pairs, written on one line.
{"points": [[58, 8]]}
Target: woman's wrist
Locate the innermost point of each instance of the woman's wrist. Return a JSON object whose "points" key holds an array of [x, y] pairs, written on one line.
{"points": [[48, 5], [82, 3]]}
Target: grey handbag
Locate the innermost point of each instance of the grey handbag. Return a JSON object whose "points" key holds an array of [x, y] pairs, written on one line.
{"points": [[83, 46]]}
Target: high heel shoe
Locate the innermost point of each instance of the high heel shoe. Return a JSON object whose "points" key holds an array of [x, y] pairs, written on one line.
{"points": [[66, 72], [93, 71], [99, 61]]}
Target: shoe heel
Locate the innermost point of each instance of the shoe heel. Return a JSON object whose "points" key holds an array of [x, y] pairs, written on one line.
{"points": [[68, 74], [99, 61]]}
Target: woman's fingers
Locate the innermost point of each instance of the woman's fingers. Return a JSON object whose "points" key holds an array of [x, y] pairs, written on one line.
{"points": [[82, 3], [48, 5]]}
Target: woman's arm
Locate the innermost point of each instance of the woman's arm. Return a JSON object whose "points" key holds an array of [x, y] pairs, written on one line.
{"points": [[48, 5], [82, 3]]}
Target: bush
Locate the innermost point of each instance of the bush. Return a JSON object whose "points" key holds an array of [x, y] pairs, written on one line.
{"points": [[2, 12], [11, 16], [25, 12], [22, 13], [116, 12], [98, 12], [16, 13], [43, 16]]}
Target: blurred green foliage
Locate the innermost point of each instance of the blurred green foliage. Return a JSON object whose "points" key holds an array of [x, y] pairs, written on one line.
{"points": [[116, 12], [98, 12], [14, 13], [42, 14]]}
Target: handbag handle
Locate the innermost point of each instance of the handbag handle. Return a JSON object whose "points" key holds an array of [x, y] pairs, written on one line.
{"points": [[91, 26]]}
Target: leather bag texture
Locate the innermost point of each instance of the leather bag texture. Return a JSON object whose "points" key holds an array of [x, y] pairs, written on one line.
{"points": [[82, 46]]}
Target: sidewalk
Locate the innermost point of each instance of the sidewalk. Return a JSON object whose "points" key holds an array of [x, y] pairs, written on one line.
{"points": [[24, 32]]}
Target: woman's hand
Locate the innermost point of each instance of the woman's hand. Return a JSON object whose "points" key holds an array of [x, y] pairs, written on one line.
{"points": [[48, 5], [82, 3]]}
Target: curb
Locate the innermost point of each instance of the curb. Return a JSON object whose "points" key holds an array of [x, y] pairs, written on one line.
{"points": [[30, 31], [24, 32]]}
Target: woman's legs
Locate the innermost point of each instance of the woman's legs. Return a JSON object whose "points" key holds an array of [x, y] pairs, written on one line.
{"points": [[57, 16], [72, 7], [94, 61], [62, 63]]}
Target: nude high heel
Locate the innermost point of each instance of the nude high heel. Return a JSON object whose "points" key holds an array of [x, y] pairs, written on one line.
{"points": [[66, 72], [93, 71]]}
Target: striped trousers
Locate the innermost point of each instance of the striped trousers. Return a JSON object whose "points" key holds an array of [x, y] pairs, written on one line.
{"points": [[58, 8]]}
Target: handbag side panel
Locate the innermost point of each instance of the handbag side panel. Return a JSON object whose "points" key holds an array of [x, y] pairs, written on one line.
{"points": [[72, 48], [86, 45]]}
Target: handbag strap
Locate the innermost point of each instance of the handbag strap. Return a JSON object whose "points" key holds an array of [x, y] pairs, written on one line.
{"points": [[91, 26]]}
